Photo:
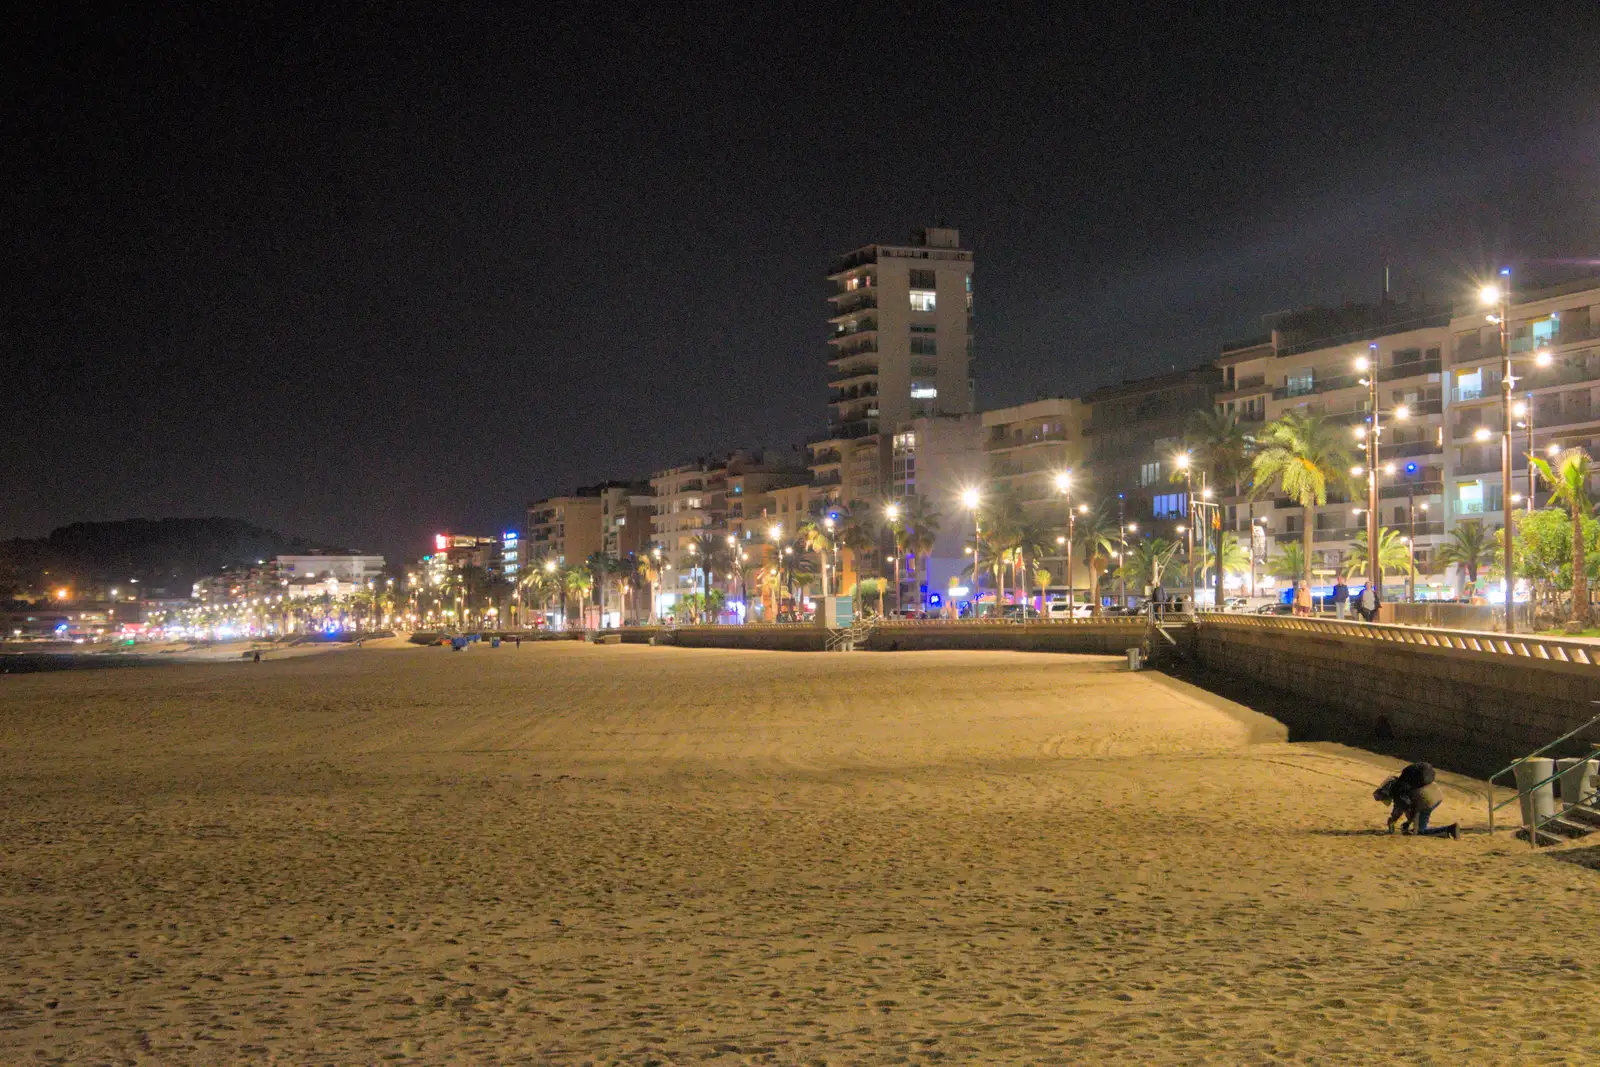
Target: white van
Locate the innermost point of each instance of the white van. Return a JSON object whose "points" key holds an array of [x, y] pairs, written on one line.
{"points": [[1060, 609]]}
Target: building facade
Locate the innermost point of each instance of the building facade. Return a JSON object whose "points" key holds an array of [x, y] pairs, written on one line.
{"points": [[566, 529], [900, 334], [1317, 362], [936, 458]]}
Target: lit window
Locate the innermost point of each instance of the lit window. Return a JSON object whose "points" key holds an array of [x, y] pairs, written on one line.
{"points": [[923, 391], [921, 300]]}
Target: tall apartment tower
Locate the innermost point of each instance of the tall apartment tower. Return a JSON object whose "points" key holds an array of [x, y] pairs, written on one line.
{"points": [[901, 339]]}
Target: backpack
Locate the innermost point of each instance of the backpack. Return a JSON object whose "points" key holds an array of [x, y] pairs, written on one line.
{"points": [[1417, 775]]}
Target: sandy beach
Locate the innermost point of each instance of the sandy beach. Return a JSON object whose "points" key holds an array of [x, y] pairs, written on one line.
{"points": [[566, 854]]}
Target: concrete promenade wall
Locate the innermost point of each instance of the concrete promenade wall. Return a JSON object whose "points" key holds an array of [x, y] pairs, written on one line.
{"points": [[777, 638], [1111, 637], [1492, 702]]}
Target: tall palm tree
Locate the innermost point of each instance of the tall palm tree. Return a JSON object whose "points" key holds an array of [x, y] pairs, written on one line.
{"points": [[577, 581], [1096, 537], [603, 568], [1471, 547], [1290, 562], [1393, 555], [1235, 560], [1148, 561], [1220, 444], [1032, 540], [1567, 475], [859, 533], [1302, 455], [1002, 522], [707, 551], [815, 537], [921, 525]]}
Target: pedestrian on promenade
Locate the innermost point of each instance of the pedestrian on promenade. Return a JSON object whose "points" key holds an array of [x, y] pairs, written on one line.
{"points": [[1367, 607], [1341, 597], [1302, 598]]}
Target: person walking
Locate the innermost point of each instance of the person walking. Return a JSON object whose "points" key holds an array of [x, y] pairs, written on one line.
{"points": [[1302, 598], [1367, 607], [1341, 597]]}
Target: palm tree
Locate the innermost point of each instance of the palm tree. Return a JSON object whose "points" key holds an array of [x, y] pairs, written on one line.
{"points": [[577, 581], [707, 550], [603, 568], [1148, 560], [1002, 521], [1471, 547], [1290, 562], [1096, 536], [1393, 554], [866, 587], [859, 534], [1302, 455], [1220, 443], [1568, 478], [1031, 541], [922, 530], [815, 537], [1235, 560]]}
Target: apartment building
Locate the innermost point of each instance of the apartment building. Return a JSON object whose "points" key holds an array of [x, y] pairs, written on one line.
{"points": [[1555, 352], [900, 331], [566, 529], [1316, 362], [936, 457], [1025, 449], [1131, 432], [681, 514], [626, 510]]}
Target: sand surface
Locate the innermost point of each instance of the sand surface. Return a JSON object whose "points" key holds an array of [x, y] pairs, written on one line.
{"points": [[569, 854]]}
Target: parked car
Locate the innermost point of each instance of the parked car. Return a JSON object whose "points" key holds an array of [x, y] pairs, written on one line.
{"points": [[1060, 609], [1275, 609], [1020, 611]]}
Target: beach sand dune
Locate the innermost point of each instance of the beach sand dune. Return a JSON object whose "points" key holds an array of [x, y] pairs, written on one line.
{"points": [[573, 854]]}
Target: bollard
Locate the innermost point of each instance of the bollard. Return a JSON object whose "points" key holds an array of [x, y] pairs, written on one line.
{"points": [[1541, 802], [1576, 779], [1135, 658]]}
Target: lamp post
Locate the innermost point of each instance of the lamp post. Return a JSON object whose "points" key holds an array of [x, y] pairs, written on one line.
{"points": [[1411, 511], [971, 499], [1499, 296], [1122, 556], [1369, 364], [827, 524], [892, 513], [1064, 486], [1524, 411], [1187, 529]]}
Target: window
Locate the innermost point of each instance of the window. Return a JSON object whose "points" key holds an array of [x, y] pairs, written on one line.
{"points": [[1170, 505], [1150, 474], [921, 300], [924, 346], [1470, 387], [923, 391], [1299, 383], [923, 279], [923, 327], [1291, 524]]}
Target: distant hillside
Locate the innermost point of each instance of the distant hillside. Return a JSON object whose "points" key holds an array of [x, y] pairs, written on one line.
{"points": [[168, 553]]}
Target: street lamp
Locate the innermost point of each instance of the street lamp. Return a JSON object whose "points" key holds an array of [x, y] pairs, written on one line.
{"points": [[892, 513], [1187, 529], [1524, 411], [1064, 486], [971, 500], [1369, 364], [1499, 296]]}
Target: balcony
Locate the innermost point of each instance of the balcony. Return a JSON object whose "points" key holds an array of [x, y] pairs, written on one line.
{"points": [[822, 459], [849, 431], [851, 351], [1413, 369], [1018, 440], [850, 329], [857, 300], [1321, 385], [1477, 508], [860, 258], [1410, 450], [1405, 489], [855, 392], [1346, 533]]}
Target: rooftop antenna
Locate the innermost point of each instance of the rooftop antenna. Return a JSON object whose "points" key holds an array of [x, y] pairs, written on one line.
{"points": [[1386, 281]]}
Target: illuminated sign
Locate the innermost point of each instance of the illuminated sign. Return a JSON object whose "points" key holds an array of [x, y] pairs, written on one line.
{"points": [[441, 542]]}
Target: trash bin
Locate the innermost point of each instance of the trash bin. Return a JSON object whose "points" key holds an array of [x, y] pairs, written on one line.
{"points": [[1576, 779], [494, 642], [1135, 658], [1542, 800]]}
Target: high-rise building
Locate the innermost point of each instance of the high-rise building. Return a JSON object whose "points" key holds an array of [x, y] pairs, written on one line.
{"points": [[901, 338], [566, 529], [937, 457]]}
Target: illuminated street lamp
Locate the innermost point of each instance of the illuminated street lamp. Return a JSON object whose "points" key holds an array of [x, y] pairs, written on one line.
{"points": [[892, 513], [1064, 486], [1187, 529], [971, 500]]}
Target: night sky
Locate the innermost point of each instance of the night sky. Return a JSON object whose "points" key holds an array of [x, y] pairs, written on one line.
{"points": [[364, 278]]}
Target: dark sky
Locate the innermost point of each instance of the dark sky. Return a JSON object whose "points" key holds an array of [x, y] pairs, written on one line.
{"points": [[364, 277]]}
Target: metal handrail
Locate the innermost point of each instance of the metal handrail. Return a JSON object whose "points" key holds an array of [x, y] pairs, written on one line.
{"points": [[1533, 831], [1522, 646]]}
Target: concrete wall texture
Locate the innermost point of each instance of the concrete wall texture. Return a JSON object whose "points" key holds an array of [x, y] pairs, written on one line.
{"points": [[1491, 702]]}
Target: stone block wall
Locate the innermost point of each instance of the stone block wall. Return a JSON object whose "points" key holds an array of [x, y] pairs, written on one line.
{"points": [[1508, 705]]}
